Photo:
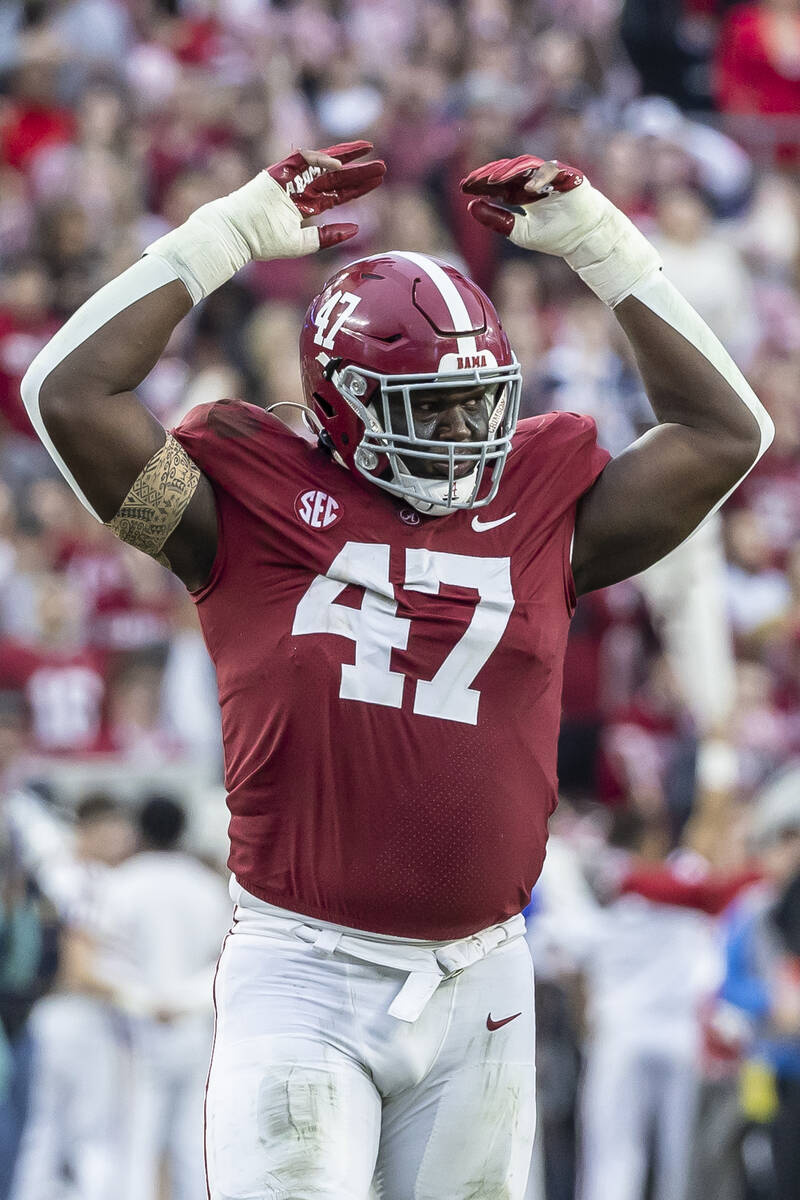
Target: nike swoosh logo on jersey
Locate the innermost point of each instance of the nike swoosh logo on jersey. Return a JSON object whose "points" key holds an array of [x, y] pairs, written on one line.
{"points": [[490, 1024], [481, 526]]}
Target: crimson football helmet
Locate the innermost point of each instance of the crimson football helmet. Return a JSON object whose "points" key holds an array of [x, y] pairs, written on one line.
{"points": [[384, 328]]}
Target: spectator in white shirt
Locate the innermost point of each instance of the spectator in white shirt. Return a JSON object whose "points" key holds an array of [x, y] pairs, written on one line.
{"points": [[76, 1113], [169, 914]]}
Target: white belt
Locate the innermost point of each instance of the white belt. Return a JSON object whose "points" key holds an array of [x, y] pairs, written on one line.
{"points": [[425, 968]]}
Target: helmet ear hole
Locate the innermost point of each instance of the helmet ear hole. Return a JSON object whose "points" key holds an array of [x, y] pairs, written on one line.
{"points": [[324, 404]]}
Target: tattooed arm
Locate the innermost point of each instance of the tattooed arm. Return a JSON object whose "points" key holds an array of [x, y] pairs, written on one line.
{"points": [[152, 509]]}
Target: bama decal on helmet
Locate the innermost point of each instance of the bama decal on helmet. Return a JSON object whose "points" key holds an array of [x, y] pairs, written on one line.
{"points": [[317, 509], [466, 362]]}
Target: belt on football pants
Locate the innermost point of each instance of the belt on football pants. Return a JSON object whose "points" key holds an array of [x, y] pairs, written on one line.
{"points": [[425, 968]]}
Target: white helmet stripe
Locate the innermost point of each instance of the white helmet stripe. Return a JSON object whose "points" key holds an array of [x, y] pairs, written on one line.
{"points": [[450, 294]]}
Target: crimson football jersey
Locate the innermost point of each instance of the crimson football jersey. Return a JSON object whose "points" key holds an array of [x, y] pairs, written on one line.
{"points": [[390, 683]]}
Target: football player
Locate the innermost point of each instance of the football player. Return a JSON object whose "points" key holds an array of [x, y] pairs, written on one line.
{"points": [[387, 611]]}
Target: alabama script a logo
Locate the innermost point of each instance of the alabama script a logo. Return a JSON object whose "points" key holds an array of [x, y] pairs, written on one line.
{"points": [[317, 509]]}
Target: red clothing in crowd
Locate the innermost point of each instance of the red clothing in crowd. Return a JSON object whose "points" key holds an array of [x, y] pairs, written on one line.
{"points": [[749, 77], [607, 639], [479, 246], [65, 691], [116, 617], [199, 41], [29, 129], [20, 342], [710, 893], [636, 749]]}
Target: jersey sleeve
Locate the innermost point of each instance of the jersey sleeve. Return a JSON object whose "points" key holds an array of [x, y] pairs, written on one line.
{"points": [[558, 459], [562, 457], [229, 439], [238, 447]]}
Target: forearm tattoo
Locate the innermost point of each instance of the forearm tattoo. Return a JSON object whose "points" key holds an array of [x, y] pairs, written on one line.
{"points": [[150, 512]]}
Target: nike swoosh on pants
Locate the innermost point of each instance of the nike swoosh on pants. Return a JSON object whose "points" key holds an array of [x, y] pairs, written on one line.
{"points": [[490, 1024]]}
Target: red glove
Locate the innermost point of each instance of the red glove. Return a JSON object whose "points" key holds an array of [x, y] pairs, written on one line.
{"points": [[316, 180], [506, 180]]}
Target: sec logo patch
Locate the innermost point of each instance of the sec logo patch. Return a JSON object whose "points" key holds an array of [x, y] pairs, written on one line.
{"points": [[317, 509]]}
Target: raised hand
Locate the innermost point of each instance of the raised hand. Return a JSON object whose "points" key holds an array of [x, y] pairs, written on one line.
{"points": [[523, 182], [268, 217], [520, 181], [561, 213], [316, 180]]}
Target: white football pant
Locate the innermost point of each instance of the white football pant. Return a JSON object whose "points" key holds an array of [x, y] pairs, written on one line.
{"points": [[76, 1104], [634, 1099], [315, 1088], [165, 1109]]}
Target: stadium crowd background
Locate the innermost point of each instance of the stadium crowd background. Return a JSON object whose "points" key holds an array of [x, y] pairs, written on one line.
{"points": [[669, 1018]]}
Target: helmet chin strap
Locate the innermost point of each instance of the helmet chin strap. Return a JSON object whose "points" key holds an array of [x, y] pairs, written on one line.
{"points": [[427, 492]]}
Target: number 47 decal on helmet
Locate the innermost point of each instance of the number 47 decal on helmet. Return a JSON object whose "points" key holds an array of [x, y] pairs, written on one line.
{"points": [[348, 302]]}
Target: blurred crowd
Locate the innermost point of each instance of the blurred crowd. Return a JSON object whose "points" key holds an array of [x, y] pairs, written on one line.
{"points": [[666, 929]]}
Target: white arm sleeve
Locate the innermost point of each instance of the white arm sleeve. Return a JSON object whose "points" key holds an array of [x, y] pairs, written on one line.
{"points": [[144, 277], [657, 293]]}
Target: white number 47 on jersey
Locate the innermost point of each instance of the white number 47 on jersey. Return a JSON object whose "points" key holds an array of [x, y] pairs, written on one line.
{"points": [[376, 628]]}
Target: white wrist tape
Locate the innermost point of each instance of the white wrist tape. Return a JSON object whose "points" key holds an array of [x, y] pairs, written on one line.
{"points": [[258, 221], [144, 277], [599, 242]]}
